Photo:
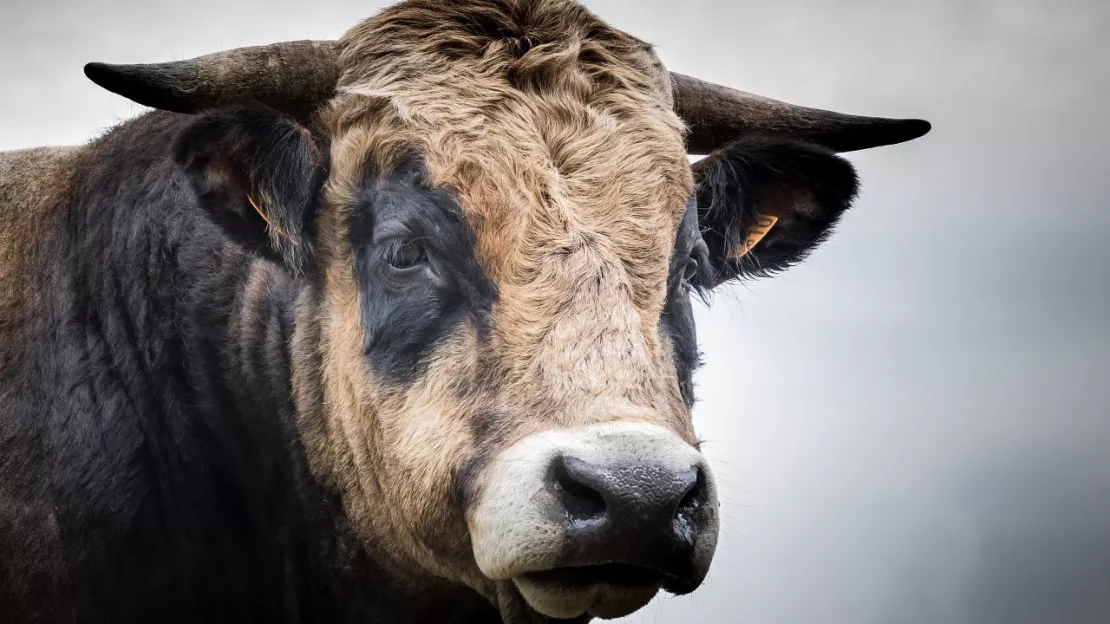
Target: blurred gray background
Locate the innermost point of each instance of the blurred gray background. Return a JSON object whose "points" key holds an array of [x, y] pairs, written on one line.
{"points": [[912, 427]]}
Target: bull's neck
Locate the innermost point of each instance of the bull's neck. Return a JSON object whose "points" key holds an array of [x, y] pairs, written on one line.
{"points": [[195, 329]]}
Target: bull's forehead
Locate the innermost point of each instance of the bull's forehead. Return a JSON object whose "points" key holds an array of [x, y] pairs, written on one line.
{"points": [[554, 131]]}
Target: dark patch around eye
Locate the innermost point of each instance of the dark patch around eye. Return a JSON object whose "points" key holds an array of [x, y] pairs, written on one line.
{"points": [[407, 310], [677, 321]]}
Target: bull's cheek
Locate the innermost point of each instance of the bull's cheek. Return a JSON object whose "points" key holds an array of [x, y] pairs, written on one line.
{"points": [[425, 449]]}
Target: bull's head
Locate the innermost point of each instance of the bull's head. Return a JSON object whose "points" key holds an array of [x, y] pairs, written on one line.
{"points": [[496, 229]]}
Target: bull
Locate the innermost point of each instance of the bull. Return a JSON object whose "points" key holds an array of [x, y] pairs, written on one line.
{"points": [[394, 328]]}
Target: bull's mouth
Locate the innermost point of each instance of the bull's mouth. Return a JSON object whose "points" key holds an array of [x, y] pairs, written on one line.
{"points": [[605, 591], [618, 574]]}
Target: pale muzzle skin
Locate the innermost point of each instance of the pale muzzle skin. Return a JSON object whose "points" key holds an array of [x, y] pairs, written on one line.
{"points": [[594, 521]]}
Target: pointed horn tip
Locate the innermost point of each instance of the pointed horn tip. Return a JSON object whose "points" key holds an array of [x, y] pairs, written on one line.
{"points": [[97, 72], [871, 132], [109, 76], [913, 128], [155, 86]]}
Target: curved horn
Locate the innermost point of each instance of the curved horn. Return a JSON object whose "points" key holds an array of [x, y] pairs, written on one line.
{"points": [[716, 114], [293, 77]]}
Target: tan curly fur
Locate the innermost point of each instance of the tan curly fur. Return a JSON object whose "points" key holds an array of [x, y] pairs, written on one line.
{"points": [[554, 132]]}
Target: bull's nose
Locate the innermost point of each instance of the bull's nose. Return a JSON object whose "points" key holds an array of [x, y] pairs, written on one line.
{"points": [[633, 513], [596, 520]]}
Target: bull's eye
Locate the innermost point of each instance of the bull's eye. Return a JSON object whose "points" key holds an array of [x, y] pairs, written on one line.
{"points": [[406, 254], [690, 271]]}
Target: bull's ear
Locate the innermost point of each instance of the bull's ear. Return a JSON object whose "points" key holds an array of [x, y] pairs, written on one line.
{"points": [[257, 174], [764, 203]]}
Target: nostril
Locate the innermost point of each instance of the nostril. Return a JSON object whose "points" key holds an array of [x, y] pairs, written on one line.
{"points": [[580, 501], [685, 524], [696, 495]]}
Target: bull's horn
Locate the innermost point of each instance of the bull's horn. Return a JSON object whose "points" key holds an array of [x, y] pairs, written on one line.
{"points": [[294, 77], [716, 114]]}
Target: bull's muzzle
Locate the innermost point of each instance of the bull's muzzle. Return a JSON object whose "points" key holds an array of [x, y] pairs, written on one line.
{"points": [[596, 520]]}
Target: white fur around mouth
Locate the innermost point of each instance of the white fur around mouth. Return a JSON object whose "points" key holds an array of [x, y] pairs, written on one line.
{"points": [[513, 527], [572, 592]]}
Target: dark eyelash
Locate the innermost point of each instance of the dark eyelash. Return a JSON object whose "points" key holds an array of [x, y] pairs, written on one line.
{"points": [[403, 254]]}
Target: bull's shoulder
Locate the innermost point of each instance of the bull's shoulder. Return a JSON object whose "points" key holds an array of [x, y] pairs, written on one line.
{"points": [[28, 170], [32, 177], [34, 186], [36, 154]]}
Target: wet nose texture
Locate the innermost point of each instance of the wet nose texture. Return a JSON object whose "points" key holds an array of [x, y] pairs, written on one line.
{"points": [[640, 514]]}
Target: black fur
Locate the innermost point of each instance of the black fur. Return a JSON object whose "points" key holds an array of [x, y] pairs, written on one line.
{"points": [[257, 152], [150, 466], [690, 267], [807, 186], [406, 312]]}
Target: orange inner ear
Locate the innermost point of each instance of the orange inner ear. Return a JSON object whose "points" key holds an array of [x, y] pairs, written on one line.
{"points": [[222, 171], [274, 229], [779, 201], [762, 226], [257, 209]]}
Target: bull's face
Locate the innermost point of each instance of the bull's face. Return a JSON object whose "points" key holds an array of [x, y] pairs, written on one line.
{"points": [[497, 233], [507, 299]]}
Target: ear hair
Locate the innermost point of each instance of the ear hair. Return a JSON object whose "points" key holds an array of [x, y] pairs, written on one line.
{"points": [[765, 203], [257, 173]]}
